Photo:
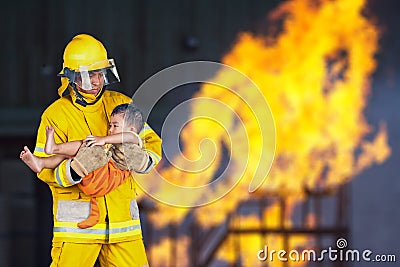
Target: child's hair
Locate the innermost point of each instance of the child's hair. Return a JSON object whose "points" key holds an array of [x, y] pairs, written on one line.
{"points": [[133, 115]]}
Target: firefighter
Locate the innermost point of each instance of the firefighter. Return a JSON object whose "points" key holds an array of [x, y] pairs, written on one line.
{"points": [[83, 109]]}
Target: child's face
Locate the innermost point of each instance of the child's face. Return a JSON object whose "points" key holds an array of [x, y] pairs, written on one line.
{"points": [[117, 124]]}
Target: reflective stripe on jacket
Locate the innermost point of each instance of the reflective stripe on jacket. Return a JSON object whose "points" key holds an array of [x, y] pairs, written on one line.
{"points": [[113, 232]]}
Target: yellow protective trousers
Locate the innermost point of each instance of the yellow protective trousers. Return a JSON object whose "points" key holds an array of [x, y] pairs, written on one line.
{"points": [[123, 254]]}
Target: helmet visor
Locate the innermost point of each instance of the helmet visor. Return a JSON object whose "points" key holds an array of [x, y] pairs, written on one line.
{"points": [[96, 75]]}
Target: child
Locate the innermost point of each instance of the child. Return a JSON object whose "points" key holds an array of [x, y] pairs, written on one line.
{"points": [[93, 184], [119, 133]]}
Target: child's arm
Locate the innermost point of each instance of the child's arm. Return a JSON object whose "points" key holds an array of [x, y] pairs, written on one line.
{"points": [[129, 137]]}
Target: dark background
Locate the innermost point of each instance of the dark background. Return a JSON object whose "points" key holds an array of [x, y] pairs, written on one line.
{"points": [[144, 37]]}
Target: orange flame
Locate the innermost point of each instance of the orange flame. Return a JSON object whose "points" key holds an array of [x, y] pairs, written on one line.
{"points": [[315, 75], [250, 244]]}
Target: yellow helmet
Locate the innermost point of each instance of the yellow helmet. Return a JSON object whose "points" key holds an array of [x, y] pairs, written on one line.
{"points": [[83, 50], [84, 54]]}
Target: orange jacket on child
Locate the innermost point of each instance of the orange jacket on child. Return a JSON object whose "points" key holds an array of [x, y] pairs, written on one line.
{"points": [[99, 183]]}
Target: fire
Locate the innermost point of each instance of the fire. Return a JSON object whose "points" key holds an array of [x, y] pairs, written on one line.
{"points": [[252, 243], [167, 248], [316, 77]]}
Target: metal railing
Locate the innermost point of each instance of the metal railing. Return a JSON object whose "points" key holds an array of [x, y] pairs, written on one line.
{"points": [[328, 208]]}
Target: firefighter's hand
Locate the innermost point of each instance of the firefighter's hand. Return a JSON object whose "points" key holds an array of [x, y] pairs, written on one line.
{"points": [[129, 156], [89, 159]]}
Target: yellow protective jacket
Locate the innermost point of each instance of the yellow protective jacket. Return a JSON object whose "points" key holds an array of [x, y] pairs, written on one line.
{"points": [[119, 214]]}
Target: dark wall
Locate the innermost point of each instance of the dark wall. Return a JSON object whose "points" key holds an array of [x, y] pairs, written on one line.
{"points": [[142, 36]]}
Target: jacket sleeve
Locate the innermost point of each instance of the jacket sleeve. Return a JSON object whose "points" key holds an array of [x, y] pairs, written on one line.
{"points": [[103, 180], [152, 145], [60, 176]]}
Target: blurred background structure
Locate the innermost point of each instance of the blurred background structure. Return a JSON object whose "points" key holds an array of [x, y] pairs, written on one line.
{"points": [[328, 70]]}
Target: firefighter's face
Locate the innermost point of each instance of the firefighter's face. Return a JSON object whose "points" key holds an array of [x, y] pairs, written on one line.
{"points": [[96, 82]]}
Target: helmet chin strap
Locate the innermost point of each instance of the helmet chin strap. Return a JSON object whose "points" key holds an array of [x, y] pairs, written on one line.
{"points": [[81, 100]]}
